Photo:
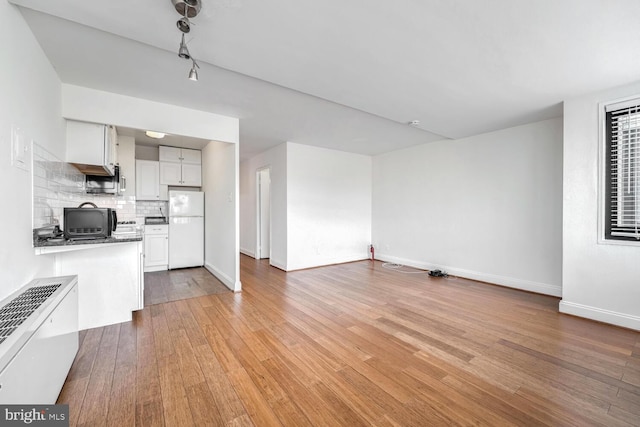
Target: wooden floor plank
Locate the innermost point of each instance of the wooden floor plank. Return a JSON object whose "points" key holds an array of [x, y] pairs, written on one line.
{"points": [[96, 401], [348, 345], [226, 399]]}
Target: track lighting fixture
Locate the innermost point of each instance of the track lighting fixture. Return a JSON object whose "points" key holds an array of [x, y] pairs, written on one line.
{"points": [[187, 9]]}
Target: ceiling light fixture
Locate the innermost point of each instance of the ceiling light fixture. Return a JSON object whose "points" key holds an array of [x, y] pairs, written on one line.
{"points": [[193, 74], [187, 9], [156, 135]]}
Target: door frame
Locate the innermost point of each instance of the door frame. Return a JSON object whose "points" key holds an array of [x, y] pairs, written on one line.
{"points": [[259, 219]]}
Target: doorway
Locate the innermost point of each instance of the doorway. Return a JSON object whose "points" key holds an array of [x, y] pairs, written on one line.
{"points": [[263, 240]]}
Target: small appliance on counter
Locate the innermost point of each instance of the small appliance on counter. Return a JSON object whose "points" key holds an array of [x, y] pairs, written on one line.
{"points": [[89, 223], [49, 233]]}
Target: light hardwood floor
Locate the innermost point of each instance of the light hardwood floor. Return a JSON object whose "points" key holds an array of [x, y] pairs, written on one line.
{"points": [[356, 345]]}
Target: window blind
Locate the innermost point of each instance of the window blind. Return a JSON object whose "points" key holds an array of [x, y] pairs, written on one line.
{"points": [[623, 172]]}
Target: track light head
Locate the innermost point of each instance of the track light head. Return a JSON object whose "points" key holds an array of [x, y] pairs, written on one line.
{"points": [[188, 8], [183, 52], [193, 73], [184, 25]]}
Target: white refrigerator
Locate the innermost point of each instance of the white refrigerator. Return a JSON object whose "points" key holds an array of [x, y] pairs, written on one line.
{"points": [[186, 229]]}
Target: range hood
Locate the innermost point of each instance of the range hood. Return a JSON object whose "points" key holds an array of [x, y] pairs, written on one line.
{"points": [[95, 170]]}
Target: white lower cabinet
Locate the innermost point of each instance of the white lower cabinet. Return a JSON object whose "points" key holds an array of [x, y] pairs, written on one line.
{"points": [[156, 247]]}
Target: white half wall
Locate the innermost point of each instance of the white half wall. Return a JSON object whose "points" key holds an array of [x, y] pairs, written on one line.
{"points": [[30, 101], [601, 281], [487, 207], [220, 186], [91, 105], [276, 160], [328, 206]]}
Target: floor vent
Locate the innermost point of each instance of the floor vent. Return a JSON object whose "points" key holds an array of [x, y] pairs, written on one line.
{"points": [[20, 308]]}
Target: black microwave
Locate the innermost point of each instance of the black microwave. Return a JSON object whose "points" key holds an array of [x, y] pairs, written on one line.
{"points": [[102, 184], [89, 223]]}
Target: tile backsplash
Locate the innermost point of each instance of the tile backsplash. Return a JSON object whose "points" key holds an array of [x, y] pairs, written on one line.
{"points": [[151, 208], [57, 184]]}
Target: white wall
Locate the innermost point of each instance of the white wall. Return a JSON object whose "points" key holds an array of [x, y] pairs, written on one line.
{"points": [[328, 206], [600, 281], [487, 207], [276, 160], [220, 186], [30, 100]]}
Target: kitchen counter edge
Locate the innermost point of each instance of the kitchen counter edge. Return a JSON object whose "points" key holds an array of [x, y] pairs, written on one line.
{"points": [[44, 247]]}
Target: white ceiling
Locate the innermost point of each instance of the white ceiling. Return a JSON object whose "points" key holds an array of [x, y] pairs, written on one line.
{"points": [[348, 75]]}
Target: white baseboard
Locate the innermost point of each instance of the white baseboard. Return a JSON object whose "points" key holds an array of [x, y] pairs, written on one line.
{"points": [[228, 281], [248, 252], [525, 285], [324, 261], [278, 264], [156, 268], [601, 315]]}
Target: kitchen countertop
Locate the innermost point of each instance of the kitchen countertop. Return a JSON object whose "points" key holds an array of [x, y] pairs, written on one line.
{"points": [[43, 243]]}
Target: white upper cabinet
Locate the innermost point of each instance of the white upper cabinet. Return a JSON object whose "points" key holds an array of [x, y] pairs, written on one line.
{"points": [[91, 147], [147, 180], [180, 166], [148, 185]]}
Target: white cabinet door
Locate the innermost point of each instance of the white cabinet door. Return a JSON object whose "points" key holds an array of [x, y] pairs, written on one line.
{"points": [[170, 173], [191, 156], [191, 175], [156, 250], [147, 180], [169, 154], [156, 247]]}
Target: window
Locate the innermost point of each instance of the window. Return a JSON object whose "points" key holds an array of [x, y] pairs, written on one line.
{"points": [[622, 171]]}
